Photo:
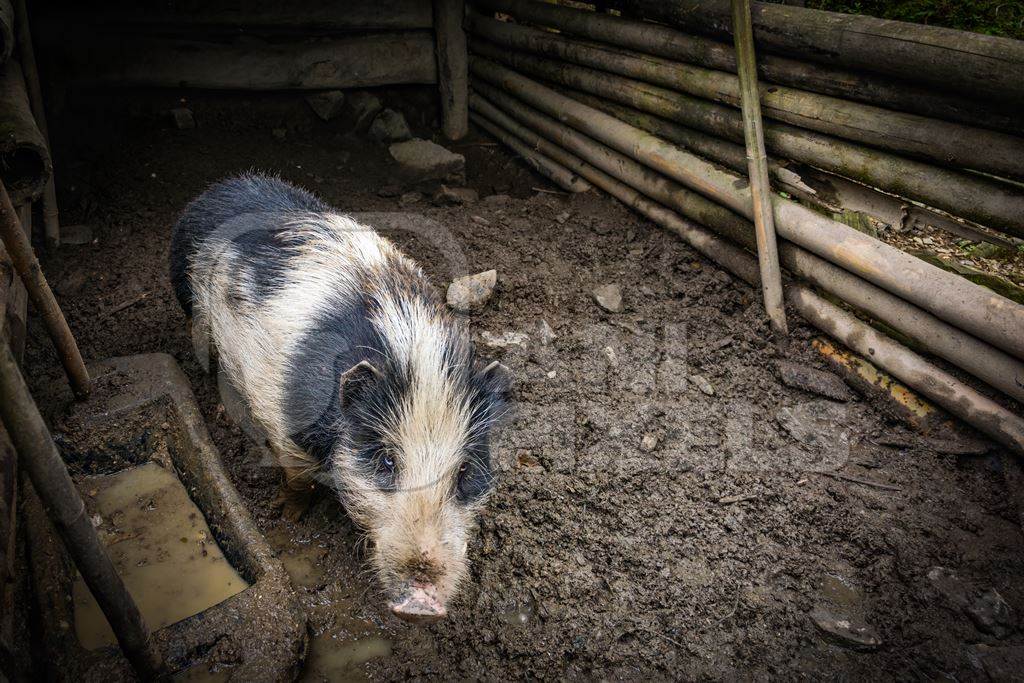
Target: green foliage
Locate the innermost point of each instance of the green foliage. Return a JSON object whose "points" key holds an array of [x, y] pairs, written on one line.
{"points": [[994, 17]]}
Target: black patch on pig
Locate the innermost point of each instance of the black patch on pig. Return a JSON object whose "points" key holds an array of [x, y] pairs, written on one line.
{"points": [[252, 193]]}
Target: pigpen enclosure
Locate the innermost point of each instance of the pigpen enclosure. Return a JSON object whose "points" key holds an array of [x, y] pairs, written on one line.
{"points": [[756, 270]]}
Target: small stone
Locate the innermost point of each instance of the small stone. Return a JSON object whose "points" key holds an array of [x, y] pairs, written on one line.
{"points": [[702, 384], [428, 161], [562, 217], [609, 353], [364, 106], [389, 191], [504, 340], [327, 104], [497, 200], [472, 292], [390, 126], [991, 614], [545, 334], [848, 631], [455, 195], [409, 198], [183, 118], [813, 381], [609, 297], [479, 220], [648, 443], [552, 374], [97, 521], [279, 133]]}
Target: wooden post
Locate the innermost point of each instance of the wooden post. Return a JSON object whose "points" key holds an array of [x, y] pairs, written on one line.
{"points": [[20, 251], [452, 70], [51, 221], [757, 165], [38, 455]]}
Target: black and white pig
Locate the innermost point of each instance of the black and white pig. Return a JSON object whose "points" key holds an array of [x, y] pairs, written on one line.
{"points": [[347, 358]]}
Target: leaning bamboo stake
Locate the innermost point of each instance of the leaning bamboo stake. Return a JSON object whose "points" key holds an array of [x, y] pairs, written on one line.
{"points": [[452, 73], [552, 170], [51, 220], [944, 389], [19, 249], [671, 43], [38, 455], [760, 186], [568, 147], [992, 203], [941, 142], [966, 305]]}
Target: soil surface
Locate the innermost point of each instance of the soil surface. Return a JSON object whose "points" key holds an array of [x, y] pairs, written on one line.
{"points": [[666, 506]]}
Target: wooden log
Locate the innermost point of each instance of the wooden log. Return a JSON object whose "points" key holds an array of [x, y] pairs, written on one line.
{"points": [[757, 168], [825, 191], [671, 43], [39, 457], [24, 160], [970, 307], [948, 392], [232, 17], [985, 67], [19, 249], [6, 30], [941, 142], [992, 203], [26, 53], [568, 147], [320, 64], [452, 74], [547, 167]]}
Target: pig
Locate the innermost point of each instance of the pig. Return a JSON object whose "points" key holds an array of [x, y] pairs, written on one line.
{"points": [[359, 375]]}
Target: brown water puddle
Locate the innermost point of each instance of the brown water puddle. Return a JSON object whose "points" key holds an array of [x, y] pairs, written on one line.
{"points": [[161, 546], [340, 643]]}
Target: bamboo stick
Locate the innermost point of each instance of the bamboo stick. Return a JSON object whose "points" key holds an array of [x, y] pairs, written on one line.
{"points": [[965, 305], [945, 390], [995, 204], [949, 60], [452, 74], [941, 142], [51, 220], [19, 249], [760, 186], [550, 169], [6, 30], [568, 147], [38, 455], [671, 43], [24, 159]]}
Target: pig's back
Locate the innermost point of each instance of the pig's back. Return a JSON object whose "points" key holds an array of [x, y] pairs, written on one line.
{"points": [[221, 204]]}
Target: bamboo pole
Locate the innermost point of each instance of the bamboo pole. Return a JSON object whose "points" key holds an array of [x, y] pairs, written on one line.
{"points": [[19, 249], [760, 186], [24, 158], [973, 64], [6, 30], [671, 43], [945, 390], [552, 170], [992, 203], [940, 142], [963, 304], [568, 147], [38, 455], [452, 73], [51, 220]]}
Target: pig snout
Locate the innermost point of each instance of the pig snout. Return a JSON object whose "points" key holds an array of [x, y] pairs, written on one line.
{"points": [[419, 603]]}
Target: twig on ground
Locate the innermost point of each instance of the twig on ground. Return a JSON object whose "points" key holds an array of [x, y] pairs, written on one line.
{"points": [[858, 480], [123, 305], [738, 498]]}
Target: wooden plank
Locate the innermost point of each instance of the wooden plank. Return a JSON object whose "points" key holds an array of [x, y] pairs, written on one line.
{"points": [[452, 69]]}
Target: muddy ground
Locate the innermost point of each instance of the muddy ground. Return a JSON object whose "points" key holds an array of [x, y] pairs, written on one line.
{"points": [[664, 508]]}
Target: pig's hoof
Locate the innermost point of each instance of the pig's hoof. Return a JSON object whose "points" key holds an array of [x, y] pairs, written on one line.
{"points": [[292, 506]]}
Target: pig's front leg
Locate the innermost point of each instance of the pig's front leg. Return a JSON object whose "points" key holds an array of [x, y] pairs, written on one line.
{"points": [[298, 485]]}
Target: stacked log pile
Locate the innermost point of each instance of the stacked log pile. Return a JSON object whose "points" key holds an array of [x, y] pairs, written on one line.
{"points": [[650, 114]]}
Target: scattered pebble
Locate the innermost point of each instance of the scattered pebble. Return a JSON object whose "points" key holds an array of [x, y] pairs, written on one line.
{"points": [[472, 292], [609, 353], [562, 217], [455, 196], [427, 160], [364, 106], [649, 442], [814, 381], [183, 118], [479, 220], [503, 340], [609, 297], [702, 384], [497, 200], [848, 631], [545, 334], [327, 104], [390, 126], [409, 198]]}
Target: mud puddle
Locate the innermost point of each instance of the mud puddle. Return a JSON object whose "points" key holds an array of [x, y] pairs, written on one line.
{"points": [[161, 546]]}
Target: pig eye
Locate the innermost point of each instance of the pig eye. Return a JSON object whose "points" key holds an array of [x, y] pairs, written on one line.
{"points": [[388, 462]]}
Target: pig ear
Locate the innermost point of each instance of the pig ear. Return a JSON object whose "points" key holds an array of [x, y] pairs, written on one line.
{"points": [[356, 378], [497, 376]]}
